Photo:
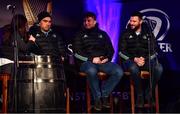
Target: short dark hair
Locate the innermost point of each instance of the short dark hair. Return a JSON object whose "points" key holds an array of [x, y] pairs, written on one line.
{"points": [[137, 13], [90, 14]]}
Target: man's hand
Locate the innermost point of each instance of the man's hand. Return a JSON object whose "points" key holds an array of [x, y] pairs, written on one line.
{"points": [[31, 38], [100, 60], [140, 61], [62, 58], [96, 60], [104, 60]]}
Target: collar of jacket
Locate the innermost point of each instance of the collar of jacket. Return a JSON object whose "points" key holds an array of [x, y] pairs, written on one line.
{"points": [[96, 28], [40, 32]]}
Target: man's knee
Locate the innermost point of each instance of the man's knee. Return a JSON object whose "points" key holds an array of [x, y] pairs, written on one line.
{"points": [[134, 69], [158, 70], [119, 72], [91, 72]]}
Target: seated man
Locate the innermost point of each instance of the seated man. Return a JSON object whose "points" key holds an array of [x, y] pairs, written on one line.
{"points": [[94, 48], [138, 48], [48, 45], [44, 40]]}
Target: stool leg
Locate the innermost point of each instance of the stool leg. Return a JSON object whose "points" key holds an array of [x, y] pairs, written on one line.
{"points": [[67, 101], [4, 89], [111, 103], [157, 99], [132, 96], [88, 97]]}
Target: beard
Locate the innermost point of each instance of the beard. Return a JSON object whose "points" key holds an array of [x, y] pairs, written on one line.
{"points": [[134, 28]]}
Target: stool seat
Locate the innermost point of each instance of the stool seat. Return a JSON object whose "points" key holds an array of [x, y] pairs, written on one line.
{"points": [[82, 74], [102, 75], [143, 75]]}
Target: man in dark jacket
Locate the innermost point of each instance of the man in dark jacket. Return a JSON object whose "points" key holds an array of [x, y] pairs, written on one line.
{"points": [[94, 48], [138, 48], [44, 40], [49, 45]]}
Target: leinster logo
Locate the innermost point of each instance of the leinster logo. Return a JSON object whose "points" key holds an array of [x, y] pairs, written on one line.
{"points": [[158, 22]]}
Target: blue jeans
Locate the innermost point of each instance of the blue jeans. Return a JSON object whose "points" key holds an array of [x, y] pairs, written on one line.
{"points": [[156, 72], [114, 72]]}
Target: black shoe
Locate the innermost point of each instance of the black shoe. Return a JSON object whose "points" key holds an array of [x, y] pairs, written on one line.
{"points": [[140, 101], [149, 97], [98, 105], [151, 101], [106, 103]]}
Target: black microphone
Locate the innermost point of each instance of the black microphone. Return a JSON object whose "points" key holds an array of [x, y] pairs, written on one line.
{"points": [[147, 25], [10, 7]]}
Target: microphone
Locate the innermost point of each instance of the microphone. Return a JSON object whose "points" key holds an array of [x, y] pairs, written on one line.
{"points": [[10, 7], [147, 25]]}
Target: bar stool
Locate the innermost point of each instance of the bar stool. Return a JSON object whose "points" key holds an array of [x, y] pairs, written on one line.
{"points": [[4, 78], [143, 75], [102, 76]]}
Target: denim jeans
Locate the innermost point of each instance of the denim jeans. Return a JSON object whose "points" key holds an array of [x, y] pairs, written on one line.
{"points": [[114, 72], [156, 72]]}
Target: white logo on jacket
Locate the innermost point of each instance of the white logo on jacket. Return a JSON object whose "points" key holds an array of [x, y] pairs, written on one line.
{"points": [[54, 36], [100, 36], [85, 36], [130, 36]]}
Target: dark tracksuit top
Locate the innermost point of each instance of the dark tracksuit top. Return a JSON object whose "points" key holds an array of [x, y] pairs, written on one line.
{"points": [[132, 45], [46, 44], [92, 43]]}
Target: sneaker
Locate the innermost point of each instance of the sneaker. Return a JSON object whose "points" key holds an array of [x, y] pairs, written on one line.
{"points": [[151, 101], [106, 103], [149, 97], [98, 105]]}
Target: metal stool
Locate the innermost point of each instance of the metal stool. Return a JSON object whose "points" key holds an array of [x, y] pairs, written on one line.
{"points": [[143, 75], [4, 78], [102, 76]]}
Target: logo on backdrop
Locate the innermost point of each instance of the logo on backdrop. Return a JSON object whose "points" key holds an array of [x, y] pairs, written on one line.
{"points": [[159, 22]]}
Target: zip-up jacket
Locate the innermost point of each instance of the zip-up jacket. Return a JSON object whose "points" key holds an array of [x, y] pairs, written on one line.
{"points": [[132, 45], [92, 43], [48, 43]]}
